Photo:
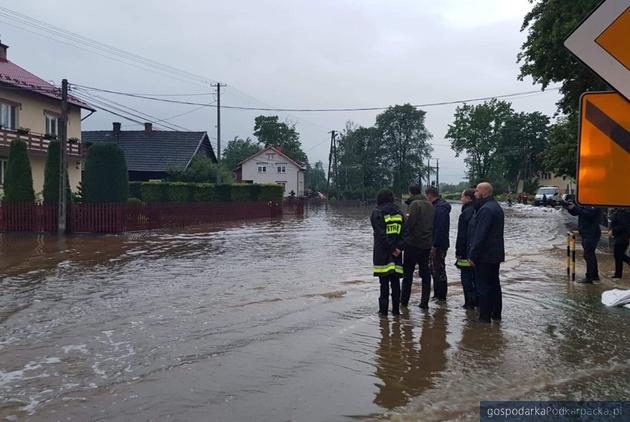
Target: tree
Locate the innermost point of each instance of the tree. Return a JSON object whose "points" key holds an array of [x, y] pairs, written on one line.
{"points": [[405, 140], [237, 150], [18, 179], [361, 169], [51, 175], [478, 131], [560, 155], [105, 178], [544, 57], [315, 177], [524, 139], [270, 132], [202, 170]]}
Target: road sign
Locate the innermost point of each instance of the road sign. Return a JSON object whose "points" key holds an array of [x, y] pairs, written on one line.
{"points": [[603, 176], [602, 43]]}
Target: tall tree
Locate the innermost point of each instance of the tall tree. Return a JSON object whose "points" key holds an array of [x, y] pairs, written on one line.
{"points": [[271, 132], [406, 143], [237, 150], [477, 131], [51, 174], [524, 139], [315, 177], [544, 57], [105, 178], [560, 156]]}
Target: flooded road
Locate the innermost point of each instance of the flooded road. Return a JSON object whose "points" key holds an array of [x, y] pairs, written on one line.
{"points": [[276, 320]]}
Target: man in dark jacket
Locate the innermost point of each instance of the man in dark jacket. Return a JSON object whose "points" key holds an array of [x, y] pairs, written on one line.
{"points": [[589, 219], [441, 227], [486, 251], [388, 224], [461, 246], [620, 229], [418, 243]]}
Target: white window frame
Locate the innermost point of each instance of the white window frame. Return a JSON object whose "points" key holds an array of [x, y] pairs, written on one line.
{"points": [[270, 156], [49, 119], [8, 116], [262, 169], [282, 169]]}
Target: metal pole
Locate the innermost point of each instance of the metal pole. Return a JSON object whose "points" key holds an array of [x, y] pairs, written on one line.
{"points": [[568, 254], [63, 138], [573, 247]]}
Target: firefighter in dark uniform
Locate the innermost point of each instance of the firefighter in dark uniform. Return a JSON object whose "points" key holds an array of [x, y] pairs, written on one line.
{"points": [[389, 225]]}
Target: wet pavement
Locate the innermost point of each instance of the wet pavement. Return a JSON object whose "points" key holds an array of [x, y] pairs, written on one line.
{"points": [[276, 320]]}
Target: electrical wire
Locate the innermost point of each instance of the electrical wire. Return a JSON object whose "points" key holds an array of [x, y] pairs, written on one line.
{"points": [[345, 109]]}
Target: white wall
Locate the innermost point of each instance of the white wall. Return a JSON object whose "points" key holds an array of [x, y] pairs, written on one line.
{"points": [[293, 178]]}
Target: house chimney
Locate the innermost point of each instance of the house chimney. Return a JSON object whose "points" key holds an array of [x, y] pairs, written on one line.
{"points": [[116, 128], [3, 52], [148, 127]]}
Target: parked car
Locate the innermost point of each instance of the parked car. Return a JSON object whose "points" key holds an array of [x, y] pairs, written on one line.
{"points": [[547, 195]]}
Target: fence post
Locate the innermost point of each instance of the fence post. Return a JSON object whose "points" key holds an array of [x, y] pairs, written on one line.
{"points": [[573, 247], [568, 254]]}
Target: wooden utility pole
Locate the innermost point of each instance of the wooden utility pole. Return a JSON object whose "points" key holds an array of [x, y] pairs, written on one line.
{"points": [[332, 156], [218, 86], [63, 140], [437, 174]]}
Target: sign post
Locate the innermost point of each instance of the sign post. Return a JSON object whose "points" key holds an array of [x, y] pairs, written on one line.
{"points": [[602, 43]]}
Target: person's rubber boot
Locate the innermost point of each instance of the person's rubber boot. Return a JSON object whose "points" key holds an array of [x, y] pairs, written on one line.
{"points": [[382, 306], [467, 304]]}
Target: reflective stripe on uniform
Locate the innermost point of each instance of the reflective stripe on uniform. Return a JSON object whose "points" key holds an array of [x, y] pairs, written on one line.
{"points": [[393, 218], [383, 269], [463, 263]]}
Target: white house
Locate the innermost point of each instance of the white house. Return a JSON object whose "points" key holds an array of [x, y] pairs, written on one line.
{"points": [[272, 166]]}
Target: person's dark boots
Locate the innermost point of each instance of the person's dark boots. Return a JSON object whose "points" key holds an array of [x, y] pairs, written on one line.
{"points": [[467, 303], [383, 304], [424, 304]]}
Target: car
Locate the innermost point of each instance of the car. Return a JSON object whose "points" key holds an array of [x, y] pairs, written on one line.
{"points": [[547, 195]]}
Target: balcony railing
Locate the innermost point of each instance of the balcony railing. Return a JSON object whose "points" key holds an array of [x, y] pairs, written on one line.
{"points": [[36, 142]]}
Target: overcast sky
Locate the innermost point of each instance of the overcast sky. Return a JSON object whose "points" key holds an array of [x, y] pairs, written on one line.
{"points": [[288, 53]]}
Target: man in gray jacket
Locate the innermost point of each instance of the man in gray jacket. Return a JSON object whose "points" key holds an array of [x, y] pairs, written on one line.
{"points": [[418, 243]]}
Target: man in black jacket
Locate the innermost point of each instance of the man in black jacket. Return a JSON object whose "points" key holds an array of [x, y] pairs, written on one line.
{"points": [[486, 251], [589, 219], [418, 243], [441, 227], [461, 252], [620, 229]]}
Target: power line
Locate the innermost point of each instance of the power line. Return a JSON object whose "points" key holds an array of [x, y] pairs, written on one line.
{"points": [[345, 109]]}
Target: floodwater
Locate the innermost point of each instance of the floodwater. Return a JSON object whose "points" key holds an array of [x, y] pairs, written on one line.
{"points": [[275, 320]]}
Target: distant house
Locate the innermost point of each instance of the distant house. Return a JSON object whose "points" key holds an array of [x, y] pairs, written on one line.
{"points": [[272, 166], [546, 178], [152, 153], [29, 102]]}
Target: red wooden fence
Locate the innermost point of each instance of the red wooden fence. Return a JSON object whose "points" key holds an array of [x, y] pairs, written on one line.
{"points": [[120, 218]]}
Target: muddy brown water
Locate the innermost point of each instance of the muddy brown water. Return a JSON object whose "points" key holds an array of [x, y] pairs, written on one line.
{"points": [[275, 320]]}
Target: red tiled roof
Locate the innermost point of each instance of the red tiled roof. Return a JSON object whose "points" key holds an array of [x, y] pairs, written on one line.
{"points": [[12, 74]]}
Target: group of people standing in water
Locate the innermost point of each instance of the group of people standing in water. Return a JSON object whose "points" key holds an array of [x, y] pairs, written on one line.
{"points": [[420, 239]]}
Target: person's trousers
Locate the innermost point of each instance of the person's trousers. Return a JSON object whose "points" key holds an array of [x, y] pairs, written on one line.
{"points": [[590, 246], [620, 257], [438, 270], [489, 291], [416, 257], [383, 300], [468, 284]]}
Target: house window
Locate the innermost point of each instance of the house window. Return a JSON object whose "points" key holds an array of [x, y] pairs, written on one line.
{"points": [[3, 168], [262, 169], [282, 169], [270, 156], [283, 183], [8, 116], [52, 125]]}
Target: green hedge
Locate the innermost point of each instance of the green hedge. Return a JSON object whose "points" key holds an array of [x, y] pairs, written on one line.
{"points": [[207, 192]]}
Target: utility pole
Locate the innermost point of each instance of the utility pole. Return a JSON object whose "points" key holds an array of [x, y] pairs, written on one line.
{"points": [[218, 86], [63, 139], [437, 174], [332, 156], [428, 172]]}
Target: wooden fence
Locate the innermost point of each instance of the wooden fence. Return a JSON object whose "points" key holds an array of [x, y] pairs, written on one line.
{"points": [[120, 218]]}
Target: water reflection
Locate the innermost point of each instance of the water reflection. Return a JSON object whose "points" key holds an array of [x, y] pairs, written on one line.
{"points": [[406, 366]]}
